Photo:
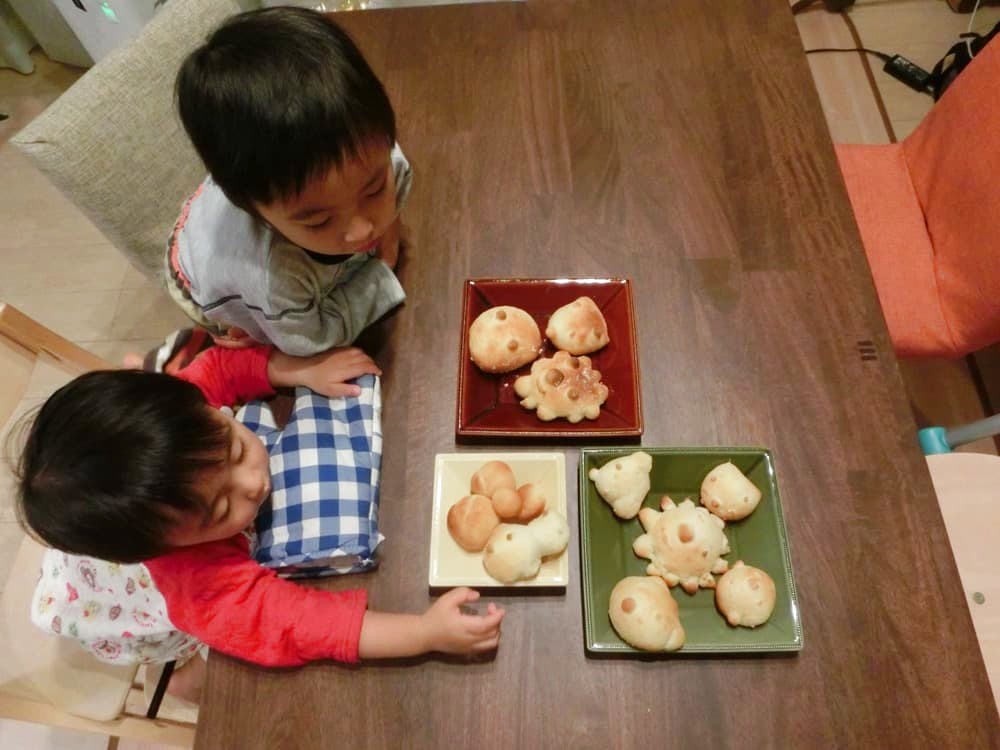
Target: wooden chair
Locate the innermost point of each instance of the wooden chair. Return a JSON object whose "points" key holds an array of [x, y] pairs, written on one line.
{"points": [[968, 490], [46, 679], [928, 209]]}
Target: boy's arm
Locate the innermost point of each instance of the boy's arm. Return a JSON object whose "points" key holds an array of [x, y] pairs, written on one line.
{"points": [[218, 594], [308, 325]]}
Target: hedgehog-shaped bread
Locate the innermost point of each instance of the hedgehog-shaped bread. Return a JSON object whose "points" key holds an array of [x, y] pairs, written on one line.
{"points": [[562, 386]]}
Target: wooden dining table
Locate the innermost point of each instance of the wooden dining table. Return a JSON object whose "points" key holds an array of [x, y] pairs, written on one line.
{"points": [[680, 145]]}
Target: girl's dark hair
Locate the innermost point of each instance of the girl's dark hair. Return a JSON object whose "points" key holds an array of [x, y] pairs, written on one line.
{"points": [[275, 98], [112, 461]]}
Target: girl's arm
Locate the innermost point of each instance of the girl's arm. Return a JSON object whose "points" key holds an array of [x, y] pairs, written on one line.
{"points": [[232, 376]]}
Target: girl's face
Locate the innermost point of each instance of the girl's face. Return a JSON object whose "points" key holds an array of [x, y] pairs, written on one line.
{"points": [[342, 212], [233, 492]]}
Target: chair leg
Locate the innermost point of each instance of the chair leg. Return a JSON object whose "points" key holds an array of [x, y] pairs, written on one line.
{"points": [[161, 688], [113, 742]]}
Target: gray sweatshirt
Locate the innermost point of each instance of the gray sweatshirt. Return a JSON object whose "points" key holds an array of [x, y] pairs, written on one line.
{"points": [[236, 271]]}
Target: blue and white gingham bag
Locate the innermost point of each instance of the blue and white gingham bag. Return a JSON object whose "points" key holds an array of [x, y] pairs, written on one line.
{"points": [[322, 517]]}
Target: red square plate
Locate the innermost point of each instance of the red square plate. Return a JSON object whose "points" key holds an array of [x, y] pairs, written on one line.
{"points": [[488, 407]]}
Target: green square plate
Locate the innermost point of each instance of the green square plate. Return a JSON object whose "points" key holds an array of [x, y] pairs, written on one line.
{"points": [[606, 554]]}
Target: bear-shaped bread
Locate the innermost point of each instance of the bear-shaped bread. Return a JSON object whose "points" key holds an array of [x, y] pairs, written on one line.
{"points": [[562, 386], [683, 544], [551, 531], [644, 614], [745, 595], [624, 482], [504, 338], [578, 328], [471, 521], [512, 553], [727, 493]]}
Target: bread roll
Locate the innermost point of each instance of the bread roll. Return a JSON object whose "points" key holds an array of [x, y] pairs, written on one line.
{"points": [[745, 596], [727, 493], [512, 554], [532, 502], [471, 521], [507, 503], [504, 338], [492, 476], [551, 531], [578, 328], [645, 615], [624, 482]]}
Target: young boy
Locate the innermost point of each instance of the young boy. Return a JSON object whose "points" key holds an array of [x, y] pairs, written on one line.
{"points": [[292, 238], [137, 467]]}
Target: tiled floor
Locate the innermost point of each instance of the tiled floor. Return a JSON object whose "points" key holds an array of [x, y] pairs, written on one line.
{"points": [[58, 268]]}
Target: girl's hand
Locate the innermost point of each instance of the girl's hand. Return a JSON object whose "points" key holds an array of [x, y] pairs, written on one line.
{"points": [[324, 373], [451, 631]]}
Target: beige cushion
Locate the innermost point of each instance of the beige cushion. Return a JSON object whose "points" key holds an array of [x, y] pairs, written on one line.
{"points": [[113, 143], [51, 669]]}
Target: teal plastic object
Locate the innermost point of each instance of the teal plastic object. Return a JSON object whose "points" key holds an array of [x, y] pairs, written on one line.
{"points": [[933, 441]]}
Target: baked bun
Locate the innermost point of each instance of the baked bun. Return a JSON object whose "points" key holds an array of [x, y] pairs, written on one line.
{"points": [[532, 502], [624, 482], [745, 595], [684, 544], [471, 521], [578, 328], [645, 615], [562, 386], [727, 493], [492, 476], [512, 554], [507, 503], [551, 531], [504, 338]]}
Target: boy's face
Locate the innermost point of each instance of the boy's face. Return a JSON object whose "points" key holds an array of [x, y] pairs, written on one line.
{"points": [[344, 211], [232, 493]]}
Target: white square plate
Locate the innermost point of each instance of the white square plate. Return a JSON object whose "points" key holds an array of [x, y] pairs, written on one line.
{"points": [[450, 564]]}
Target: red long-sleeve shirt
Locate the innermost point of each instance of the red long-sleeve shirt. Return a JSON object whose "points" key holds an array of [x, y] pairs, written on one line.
{"points": [[216, 592]]}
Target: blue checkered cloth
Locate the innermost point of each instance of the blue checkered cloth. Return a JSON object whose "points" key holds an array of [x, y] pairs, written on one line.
{"points": [[322, 517]]}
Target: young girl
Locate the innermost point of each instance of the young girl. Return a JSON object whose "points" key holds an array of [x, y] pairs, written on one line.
{"points": [[292, 238], [135, 467]]}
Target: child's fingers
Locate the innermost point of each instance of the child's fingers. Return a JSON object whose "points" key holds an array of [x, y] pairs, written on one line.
{"points": [[487, 644], [485, 623], [336, 390]]}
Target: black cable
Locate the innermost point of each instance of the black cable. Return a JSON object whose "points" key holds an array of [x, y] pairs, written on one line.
{"points": [[880, 55]]}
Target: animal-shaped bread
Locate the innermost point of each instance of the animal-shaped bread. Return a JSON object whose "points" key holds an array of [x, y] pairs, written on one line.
{"points": [[533, 502], [727, 493], [551, 531], [562, 386], [504, 338], [512, 553], [578, 328], [684, 544], [471, 521], [645, 615], [745, 595], [624, 482]]}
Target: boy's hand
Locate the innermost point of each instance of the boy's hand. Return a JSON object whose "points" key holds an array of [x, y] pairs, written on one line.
{"points": [[388, 246], [324, 373], [451, 631]]}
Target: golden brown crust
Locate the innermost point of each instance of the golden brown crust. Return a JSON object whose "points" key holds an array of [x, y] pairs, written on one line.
{"points": [[471, 521], [504, 338], [578, 328]]}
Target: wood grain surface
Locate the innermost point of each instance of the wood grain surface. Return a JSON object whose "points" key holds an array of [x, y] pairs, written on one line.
{"points": [[680, 144]]}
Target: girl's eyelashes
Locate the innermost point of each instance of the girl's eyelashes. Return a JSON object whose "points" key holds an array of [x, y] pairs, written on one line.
{"points": [[320, 225]]}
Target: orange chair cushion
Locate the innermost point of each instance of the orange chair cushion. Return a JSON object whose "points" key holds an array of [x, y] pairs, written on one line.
{"points": [[954, 163], [898, 247]]}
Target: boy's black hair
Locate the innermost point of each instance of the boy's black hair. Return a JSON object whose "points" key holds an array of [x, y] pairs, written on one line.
{"points": [[277, 97], [112, 462]]}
